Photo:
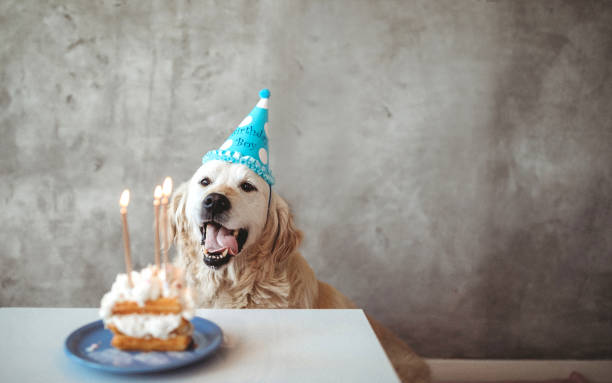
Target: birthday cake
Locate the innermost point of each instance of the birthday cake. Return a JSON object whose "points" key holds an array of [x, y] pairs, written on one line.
{"points": [[150, 313]]}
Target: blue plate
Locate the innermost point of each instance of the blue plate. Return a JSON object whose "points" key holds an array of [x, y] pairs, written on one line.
{"points": [[90, 346]]}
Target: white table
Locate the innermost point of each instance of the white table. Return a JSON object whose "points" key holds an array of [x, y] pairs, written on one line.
{"points": [[260, 346]]}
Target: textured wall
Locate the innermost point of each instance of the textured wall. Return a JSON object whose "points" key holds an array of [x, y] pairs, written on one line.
{"points": [[450, 163]]}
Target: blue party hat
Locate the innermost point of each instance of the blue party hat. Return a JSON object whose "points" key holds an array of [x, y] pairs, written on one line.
{"points": [[248, 144]]}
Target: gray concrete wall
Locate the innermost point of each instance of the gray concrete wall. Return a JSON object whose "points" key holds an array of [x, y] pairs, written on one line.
{"points": [[449, 162]]}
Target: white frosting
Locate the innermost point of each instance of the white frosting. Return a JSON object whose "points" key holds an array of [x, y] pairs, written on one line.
{"points": [[149, 284], [140, 325]]}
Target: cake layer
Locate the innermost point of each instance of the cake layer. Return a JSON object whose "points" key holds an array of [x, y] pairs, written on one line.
{"points": [[177, 343], [157, 306], [178, 340]]}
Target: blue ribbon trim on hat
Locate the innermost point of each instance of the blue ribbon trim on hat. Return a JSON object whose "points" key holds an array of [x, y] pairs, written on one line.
{"points": [[237, 158]]}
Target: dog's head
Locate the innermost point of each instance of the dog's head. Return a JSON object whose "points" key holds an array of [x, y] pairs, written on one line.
{"points": [[226, 210]]}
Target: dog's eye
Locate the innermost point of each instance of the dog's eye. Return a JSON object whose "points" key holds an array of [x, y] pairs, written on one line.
{"points": [[247, 187], [205, 181]]}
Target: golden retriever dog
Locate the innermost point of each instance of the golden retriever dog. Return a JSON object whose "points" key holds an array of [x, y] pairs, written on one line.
{"points": [[238, 244]]}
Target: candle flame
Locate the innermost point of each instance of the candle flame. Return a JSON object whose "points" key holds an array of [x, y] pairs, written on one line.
{"points": [[157, 194], [167, 186], [125, 198]]}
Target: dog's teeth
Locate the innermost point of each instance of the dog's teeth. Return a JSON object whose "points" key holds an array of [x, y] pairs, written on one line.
{"points": [[224, 253], [205, 251], [236, 233]]}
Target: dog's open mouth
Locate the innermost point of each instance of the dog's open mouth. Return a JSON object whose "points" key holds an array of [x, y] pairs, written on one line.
{"points": [[220, 244]]}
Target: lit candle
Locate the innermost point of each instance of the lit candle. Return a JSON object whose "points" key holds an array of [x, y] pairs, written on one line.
{"points": [[156, 197], [167, 190], [123, 202]]}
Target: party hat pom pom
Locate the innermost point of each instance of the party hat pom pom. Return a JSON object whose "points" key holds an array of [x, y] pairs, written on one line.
{"points": [[264, 93]]}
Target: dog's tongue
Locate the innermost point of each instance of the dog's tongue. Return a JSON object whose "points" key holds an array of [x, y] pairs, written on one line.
{"points": [[219, 238]]}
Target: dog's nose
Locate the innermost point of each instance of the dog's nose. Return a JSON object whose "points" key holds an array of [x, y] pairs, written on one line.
{"points": [[216, 203]]}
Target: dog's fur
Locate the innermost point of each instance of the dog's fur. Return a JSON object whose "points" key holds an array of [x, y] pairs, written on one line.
{"points": [[269, 272]]}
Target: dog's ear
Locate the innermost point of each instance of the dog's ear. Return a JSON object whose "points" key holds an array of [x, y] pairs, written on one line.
{"points": [[176, 213], [285, 236]]}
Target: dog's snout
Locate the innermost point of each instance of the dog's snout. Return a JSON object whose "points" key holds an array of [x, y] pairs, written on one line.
{"points": [[216, 203]]}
